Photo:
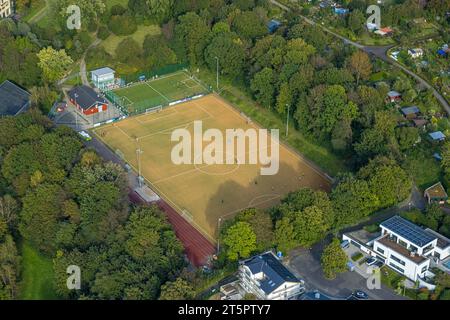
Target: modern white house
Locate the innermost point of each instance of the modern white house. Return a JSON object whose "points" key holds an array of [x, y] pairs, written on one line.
{"points": [[103, 78], [268, 279], [415, 53], [6, 8], [406, 248]]}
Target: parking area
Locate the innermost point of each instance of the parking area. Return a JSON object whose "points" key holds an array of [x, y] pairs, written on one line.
{"points": [[73, 118], [306, 264]]}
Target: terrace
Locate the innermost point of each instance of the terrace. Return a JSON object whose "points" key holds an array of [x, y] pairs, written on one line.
{"points": [[392, 244]]}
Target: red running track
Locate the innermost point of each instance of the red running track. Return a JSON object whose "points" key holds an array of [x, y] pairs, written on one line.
{"points": [[198, 249]]}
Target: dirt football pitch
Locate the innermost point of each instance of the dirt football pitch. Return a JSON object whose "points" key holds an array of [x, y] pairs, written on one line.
{"points": [[204, 193]]}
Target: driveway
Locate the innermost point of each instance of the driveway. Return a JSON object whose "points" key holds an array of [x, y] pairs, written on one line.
{"points": [[306, 264]]}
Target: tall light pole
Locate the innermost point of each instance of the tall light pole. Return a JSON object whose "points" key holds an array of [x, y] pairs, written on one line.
{"points": [[218, 238], [287, 119], [76, 112], [217, 72], [138, 154]]}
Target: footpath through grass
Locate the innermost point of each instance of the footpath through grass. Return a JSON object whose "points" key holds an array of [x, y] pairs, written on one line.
{"points": [[37, 275]]}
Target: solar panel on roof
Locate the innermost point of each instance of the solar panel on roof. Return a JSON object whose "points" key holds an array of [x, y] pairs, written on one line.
{"points": [[408, 230]]}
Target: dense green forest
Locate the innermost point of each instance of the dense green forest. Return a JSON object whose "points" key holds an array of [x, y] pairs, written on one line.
{"points": [[70, 205]]}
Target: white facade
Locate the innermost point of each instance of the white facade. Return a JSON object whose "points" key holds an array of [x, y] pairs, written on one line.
{"points": [[412, 269], [415, 53], [406, 248], [268, 279], [6, 8], [103, 78]]}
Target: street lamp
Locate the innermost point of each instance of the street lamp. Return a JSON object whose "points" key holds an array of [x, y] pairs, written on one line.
{"points": [[76, 112], [218, 238], [138, 154], [287, 119], [217, 72]]}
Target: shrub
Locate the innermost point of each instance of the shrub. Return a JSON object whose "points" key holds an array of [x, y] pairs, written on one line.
{"points": [[103, 32], [122, 25], [356, 256]]}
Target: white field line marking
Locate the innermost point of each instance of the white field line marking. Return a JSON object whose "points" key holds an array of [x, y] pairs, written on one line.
{"points": [[166, 198], [153, 118], [305, 161], [158, 92]]}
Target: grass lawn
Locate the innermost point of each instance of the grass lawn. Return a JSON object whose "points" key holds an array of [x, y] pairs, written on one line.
{"points": [[37, 275], [139, 97], [423, 168], [36, 6], [110, 44], [110, 3], [231, 186], [320, 155]]}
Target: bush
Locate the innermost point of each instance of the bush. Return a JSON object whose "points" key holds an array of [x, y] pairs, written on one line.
{"points": [[117, 10], [122, 25], [372, 228], [357, 256], [445, 295], [103, 32]]}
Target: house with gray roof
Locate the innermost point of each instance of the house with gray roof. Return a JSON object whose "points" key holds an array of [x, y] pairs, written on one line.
{"points": [[268, 279], [13, 99]]}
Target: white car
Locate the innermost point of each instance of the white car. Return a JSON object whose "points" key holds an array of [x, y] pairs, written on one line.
{"points": [[85, 135]]}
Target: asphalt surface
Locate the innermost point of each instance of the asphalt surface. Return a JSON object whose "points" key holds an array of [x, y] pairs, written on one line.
{"points": [[306, 264]]}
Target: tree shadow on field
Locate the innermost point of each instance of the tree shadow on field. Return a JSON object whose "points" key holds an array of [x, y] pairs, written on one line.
{"points": [[260, 188]]}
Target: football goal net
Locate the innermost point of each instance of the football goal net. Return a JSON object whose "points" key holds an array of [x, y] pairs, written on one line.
{"points": [[153, 110]]}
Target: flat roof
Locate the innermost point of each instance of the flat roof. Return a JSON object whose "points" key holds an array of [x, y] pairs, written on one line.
{"points": [[437, 135], [408, 230], [393, 93], [400, 250], [12, 98], [410, 110]]}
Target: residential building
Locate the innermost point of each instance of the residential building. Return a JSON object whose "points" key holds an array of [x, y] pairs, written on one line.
{"points": [[13, 99], [394, 96], [273, 25], [436, 136], [436, 194], [415, 53], [87, 100], [406, 248], [6, 8], [268, 279], [386, 31], [410, 112], [103, 78]]}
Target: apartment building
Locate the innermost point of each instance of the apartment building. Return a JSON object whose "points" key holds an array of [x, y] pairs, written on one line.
{"points": [[408, 249], [6, 8], [268, 279]]}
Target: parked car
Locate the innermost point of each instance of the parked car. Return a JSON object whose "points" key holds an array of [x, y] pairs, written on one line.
{"points": [[360, 295], [378, 264], [371, 261], [85, 135]]}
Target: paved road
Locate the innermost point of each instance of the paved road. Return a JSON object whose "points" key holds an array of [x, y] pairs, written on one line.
{"points": [[379, 52], [306, 264], [83, 73]]}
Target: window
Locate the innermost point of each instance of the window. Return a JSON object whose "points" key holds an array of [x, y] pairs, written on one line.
{"points": [[402, 243], [397, 260], [423, 269], [380, 250], [396, 267]]}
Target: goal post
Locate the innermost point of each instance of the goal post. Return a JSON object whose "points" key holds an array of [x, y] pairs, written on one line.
{"points": [[153, 110]]}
